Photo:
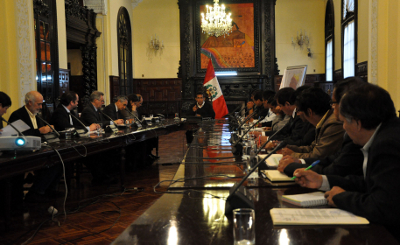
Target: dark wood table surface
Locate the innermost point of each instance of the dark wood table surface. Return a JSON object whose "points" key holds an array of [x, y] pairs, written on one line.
{"points": [[193, 210]]}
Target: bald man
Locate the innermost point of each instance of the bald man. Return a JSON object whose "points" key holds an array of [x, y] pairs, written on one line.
{"points": [[27, 113]]}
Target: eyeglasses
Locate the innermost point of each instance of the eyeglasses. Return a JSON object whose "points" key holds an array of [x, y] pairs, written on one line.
{"points": [[333, 102]]}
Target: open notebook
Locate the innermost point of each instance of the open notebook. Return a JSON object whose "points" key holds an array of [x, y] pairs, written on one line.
{"points": [[306, 199], [315, 216], [272, 161], [275, 176]]}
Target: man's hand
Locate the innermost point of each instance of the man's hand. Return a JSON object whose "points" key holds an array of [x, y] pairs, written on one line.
{"points": [[94, 127], [271, 145], [286, 151], [286, 160], [134, 106], [195, 108], [250, 104], [309, 178], [330, 194], [46, 129], [119, 121]]}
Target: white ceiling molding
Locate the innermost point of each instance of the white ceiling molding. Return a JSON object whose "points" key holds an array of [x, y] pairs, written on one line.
{"points": [[98, 6], [135, 3]]}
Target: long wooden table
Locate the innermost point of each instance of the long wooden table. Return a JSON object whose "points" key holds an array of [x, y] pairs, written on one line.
{"points": [[71, 150], [193, 211]]}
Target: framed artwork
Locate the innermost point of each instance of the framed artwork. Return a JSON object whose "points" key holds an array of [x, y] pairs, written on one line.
{"points": [[294, 76], [233, 52]]}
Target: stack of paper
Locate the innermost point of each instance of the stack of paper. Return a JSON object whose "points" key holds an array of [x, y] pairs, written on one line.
{"points": [[306, 199]]}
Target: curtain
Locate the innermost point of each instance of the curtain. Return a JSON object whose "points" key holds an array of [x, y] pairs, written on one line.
{"points": [[348, 50], [329, 61]]}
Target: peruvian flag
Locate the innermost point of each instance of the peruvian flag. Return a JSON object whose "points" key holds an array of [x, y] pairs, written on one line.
{"points": [[214, 91]]}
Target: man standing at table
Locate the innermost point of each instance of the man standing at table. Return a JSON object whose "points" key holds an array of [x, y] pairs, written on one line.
{"points": [[91, 113], [46, 179], [62, 119], [369, 118], [114, 110]]}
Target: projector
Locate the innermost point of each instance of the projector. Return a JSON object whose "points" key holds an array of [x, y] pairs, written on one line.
{"points": [[20, 143]]}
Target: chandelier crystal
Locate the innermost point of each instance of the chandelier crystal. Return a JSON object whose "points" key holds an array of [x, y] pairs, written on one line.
{"points": [[216, 22]]}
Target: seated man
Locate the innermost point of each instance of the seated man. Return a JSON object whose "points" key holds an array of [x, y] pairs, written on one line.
{"points": [[61, 118], [347, 161], [92, 114], [315, 104], [114, 110], [5, 103], [201, 108], [46, 179], [369, 118], [260, 110]]}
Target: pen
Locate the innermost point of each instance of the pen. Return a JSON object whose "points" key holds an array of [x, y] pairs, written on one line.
{"points": [[312, 165]]}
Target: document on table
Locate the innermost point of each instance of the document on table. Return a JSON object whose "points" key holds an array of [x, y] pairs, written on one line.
{"points": [[10, 131], [272, 161], [311, 216]]}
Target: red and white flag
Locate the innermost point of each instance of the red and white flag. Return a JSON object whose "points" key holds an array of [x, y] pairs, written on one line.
{"points": [[214, 91]]}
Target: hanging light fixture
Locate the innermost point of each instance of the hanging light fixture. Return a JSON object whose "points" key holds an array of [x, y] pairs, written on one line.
{"points": [[216, 22]]}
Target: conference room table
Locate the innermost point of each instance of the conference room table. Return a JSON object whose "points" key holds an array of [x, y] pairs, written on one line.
{"points": [[14, 163], [193, 209]]}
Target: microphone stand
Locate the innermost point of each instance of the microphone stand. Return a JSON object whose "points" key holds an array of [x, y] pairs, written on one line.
{"points": [[238, 197], [47, 137], [112, 126], [237, 147], [138, 123], [84, 126]]}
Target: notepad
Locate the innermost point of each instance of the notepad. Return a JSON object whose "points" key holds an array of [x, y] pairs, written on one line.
{"points": [[306, 199], [314, 216], [273, 160], [275, 175]]}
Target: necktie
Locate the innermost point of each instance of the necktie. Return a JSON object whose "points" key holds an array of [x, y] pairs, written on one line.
{"points": [[70, 119]]}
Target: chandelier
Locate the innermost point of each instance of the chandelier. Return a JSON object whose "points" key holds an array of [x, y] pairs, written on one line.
{"points": [[216, 22]]}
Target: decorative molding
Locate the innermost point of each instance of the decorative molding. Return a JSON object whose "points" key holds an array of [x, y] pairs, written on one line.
{"points": [[373, 64], [135, 3], [98, 6], [72, 8], [41, 8], [26, 47]]}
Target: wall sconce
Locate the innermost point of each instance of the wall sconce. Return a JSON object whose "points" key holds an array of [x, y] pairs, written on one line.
{"points": [[155, 43], [309, 52], [301, 40]]}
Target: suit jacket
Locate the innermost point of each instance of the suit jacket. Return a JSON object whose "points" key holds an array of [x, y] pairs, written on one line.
{"points": [[375, 197], [328, 140], [347, 161], [22, 114], [206, 111], [60, 119], [303, 136], [293, 130], [89, 115], [112, 112]]}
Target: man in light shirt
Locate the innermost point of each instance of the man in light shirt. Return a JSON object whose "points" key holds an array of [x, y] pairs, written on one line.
{"points": [[369, 118]]}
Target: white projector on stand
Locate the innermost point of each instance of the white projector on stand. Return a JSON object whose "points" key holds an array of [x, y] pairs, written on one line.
{"points": [[24, 143]]}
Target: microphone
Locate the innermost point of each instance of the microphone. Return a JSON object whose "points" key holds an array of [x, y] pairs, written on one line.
{"points": [[76, 118], [230, 114], [238, 197], [237, 147], [113, 127], [19, 132], [136, 118], [48, 124]]}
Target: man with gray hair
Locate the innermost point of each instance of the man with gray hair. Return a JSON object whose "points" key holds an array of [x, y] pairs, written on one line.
{"points": [[91, 113], [27, 113], [114, 110]]}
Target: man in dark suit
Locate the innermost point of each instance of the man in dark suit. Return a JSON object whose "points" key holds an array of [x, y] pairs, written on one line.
{"points": [[46, 179], [5, 103], [201, 108], [92, 114], [61, 118], [369, 118], [114, 110], [28, 114]]}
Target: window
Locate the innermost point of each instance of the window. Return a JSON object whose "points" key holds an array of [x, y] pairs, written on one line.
{"points": [[329, 61], [124, 53], [349, 37], [329, 37], [45, 27]]}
